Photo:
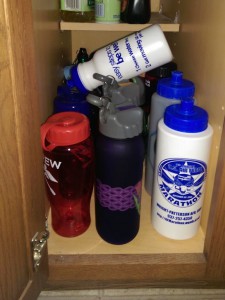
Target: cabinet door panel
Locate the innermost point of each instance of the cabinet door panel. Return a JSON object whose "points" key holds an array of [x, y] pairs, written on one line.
{"points": [[22, 211]]}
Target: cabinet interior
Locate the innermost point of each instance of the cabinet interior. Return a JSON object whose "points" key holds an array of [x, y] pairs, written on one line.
{"points": [[188, 45]]}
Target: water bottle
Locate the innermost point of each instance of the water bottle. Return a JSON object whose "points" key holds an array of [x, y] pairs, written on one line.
{"points": [[77, 11], [107, 11], [151, 79], [136, 11], [69, 171], [119, 153], [150, 83], [169, 91], [183, 148], [123, 59]]}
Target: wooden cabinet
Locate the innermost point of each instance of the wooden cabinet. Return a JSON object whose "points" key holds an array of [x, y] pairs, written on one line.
{"points": [[33, 53]]}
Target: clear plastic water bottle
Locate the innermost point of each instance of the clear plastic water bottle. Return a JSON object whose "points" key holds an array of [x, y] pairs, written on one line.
{"points": [[183, 149], [69, 171]]}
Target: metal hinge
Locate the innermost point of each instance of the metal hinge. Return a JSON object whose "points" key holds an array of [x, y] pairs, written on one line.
{"points": [[38, 243]]}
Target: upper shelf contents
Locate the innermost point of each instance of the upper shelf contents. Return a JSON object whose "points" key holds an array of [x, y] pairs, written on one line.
{"points": [[107, 11], [166, 24], [77, 11], [136, 11]]}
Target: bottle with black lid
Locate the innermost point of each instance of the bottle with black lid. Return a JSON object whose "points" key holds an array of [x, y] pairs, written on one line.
{"points": [[136, 11]]}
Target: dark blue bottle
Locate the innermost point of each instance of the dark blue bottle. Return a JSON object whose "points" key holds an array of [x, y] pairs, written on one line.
{"points": [[119, 152], [69, 99]]}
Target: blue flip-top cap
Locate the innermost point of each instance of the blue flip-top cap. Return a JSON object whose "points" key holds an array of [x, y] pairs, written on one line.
{"points": [[186, 117], [75, 81], [175, 87]]}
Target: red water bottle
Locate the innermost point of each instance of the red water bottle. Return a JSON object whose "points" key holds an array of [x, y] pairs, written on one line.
{"points": [[68, 170]]}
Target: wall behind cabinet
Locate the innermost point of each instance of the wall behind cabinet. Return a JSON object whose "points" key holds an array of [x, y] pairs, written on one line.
{"points": [[53, 51]]}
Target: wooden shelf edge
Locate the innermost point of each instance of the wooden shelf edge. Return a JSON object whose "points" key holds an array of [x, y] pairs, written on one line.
{"points": [[165, 23], [128, 259], [117, 271]]}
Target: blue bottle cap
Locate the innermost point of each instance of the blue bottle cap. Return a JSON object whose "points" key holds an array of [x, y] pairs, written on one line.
{"points": [[186, 117], [69, 99], [175, 87], [75, 81]]}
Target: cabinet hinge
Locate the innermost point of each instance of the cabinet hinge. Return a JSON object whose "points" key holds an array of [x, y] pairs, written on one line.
{"points": [[38, 243]]}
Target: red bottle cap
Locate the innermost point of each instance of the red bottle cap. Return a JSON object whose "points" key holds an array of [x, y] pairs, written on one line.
{"points": [[64, 129]]}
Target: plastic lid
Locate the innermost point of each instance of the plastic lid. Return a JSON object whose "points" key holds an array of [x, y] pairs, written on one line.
{"points": [[186, 117], [123, 123], [82, 55], [75, 81], [69, 99], [68, 103], [118, 121], [64, 129], [175, 87]]}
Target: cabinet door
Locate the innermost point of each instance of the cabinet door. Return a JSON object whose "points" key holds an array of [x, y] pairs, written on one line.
{"points": [[22, 211]]}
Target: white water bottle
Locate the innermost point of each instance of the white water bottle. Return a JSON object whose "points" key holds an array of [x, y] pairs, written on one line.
{"points": [[124, 59], [183, 148]]}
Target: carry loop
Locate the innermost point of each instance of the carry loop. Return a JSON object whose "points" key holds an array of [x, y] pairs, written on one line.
{"points": [[44, 131]]}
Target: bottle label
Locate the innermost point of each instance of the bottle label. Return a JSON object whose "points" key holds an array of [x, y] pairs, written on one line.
{"points": [[77, 5], [51, 177], [107, 11], [181, 183], [117, 198], [136, 55]]}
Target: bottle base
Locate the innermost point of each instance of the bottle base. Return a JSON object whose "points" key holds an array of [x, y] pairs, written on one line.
{"points": [[116, 240], [171, 233], [70, 231]]}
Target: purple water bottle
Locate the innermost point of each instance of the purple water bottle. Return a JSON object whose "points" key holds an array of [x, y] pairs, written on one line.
{"points": [[119, 152]]}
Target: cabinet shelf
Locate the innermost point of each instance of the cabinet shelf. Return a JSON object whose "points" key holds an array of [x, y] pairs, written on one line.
{"points": [[147, 241], [165, 23]]}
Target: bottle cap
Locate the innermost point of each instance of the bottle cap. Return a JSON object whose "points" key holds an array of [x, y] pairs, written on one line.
{"points": [[74, 80], [186, 117], [69, 99], [118, 121], [82, 55], [175, 87], [125, 122], [64, 129]]}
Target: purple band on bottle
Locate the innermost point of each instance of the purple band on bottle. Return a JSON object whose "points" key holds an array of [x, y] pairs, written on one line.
{"points": [[118, 198]]}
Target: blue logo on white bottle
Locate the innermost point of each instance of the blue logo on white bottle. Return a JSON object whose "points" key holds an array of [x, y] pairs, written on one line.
{"points": [[181, 180]]}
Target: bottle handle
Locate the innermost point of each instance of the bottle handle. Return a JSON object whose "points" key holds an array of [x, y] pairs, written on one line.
{"points": [[44, 130]]}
